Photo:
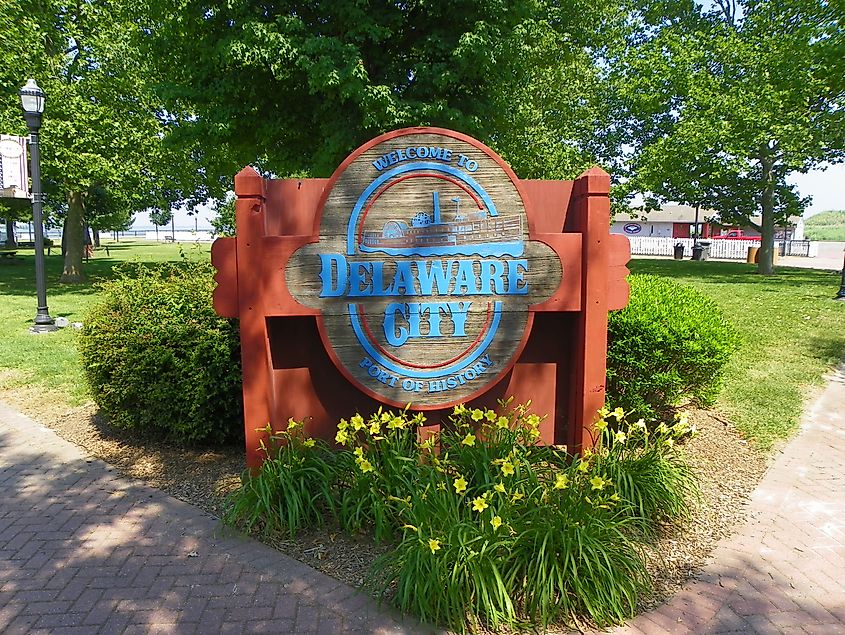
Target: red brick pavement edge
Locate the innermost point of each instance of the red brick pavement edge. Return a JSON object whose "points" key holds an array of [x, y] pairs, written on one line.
{"points": [[86, 551], [784, 571]]}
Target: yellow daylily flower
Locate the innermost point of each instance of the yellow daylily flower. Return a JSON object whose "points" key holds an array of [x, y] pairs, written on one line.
{"points": [[341, 437], [365, 465], [503, 423], [460, 485], [343, 424], [584, 466], [598, 482], [375, 427], [533, 420], [490, 415], [517, 496], [496, 522], [292, 424], [507, 468], [357, 421], [459, 409], [359, 452], [309, 442], [433, 544], [469, 440], [479, 504], [499, 487], [620, 437], [477, 415], [601, 424], [561, 481], [619, 414]]}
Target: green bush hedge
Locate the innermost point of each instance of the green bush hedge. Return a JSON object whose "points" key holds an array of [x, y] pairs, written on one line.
{"points": [[159, 359], [668, 345]]}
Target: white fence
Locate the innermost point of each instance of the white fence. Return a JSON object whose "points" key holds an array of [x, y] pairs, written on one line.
{"points": [[730, 249], [719, 248]]}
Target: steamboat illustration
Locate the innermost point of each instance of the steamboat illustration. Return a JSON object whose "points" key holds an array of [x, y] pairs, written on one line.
{"points": [[470, 233]]}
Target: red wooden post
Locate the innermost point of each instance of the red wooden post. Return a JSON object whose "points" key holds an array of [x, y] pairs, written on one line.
{"points": [[592, 210], [249, 214]]}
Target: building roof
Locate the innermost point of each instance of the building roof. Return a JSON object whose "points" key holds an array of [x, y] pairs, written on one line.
{"points": [[680, 214], [667, 214]]}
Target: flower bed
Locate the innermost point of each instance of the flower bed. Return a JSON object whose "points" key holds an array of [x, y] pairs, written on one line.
{"points": [[486, 526]]}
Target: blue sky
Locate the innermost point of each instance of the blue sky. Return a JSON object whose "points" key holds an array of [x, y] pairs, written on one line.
{"points": [[827, 187]]}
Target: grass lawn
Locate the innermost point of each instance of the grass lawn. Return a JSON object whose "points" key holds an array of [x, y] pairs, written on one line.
{"points": [[792, 329], [50, 361]]}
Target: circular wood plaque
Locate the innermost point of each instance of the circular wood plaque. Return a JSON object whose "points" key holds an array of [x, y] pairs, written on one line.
{"points": [[424, 272]]}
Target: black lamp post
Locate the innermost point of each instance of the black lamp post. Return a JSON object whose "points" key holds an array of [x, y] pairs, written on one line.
{"points": [[841, 294], [32, 102]]}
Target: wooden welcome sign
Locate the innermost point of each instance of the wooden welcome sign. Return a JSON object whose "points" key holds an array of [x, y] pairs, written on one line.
{"points": [[423, 272]]}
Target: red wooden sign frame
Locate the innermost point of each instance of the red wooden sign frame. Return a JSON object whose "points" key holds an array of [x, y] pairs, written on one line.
{"points": [[288, 371]]}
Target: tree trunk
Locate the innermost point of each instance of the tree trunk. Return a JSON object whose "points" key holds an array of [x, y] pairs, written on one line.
{"points": [[10, 233], [73, 235], [96, 233], [765, 264]]}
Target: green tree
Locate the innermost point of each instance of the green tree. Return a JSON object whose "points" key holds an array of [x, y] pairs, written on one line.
{"points": [[293, 87], [223, 223], [744, 95], [104, 132]]}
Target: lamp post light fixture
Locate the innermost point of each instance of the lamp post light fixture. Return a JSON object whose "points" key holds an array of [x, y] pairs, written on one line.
{"points": [[32, 102]]}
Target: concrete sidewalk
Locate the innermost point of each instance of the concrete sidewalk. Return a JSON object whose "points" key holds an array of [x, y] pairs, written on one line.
{"points": [[83, 551], [784, 571]]}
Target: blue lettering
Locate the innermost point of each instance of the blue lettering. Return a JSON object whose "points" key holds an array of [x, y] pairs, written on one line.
{"points": [[465, 279], [390, 333], [434, 275], [492, 277], [378, 279], [358, 277], [404, 279], [333, 269], [515, 277], [459, 312], [381, 163]]}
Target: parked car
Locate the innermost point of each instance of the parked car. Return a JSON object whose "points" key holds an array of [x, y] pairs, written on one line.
{"points": [[734, 234]]}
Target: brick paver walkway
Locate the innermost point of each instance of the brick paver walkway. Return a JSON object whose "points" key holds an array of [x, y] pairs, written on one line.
{"points": [[784, 571], [84, 551]]}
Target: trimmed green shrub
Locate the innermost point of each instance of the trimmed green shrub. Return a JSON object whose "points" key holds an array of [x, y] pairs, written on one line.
{"points": [[668, 345], [159, 359]]}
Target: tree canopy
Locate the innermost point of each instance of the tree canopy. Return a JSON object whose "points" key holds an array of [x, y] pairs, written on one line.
{"points": [[293, 87], [102, 138], [723, 105]]}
